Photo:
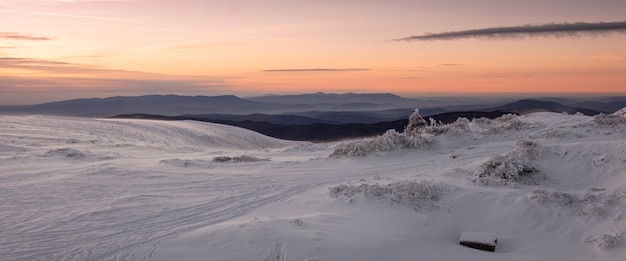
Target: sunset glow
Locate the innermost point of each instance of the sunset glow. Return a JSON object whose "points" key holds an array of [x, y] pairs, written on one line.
{"points": [[61, 49]]}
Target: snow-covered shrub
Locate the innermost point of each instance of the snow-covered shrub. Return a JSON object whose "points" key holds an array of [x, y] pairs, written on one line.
{"points": [[410, 138], [587, 203], [512, 167], [504, 170], [608, 120], [460, 126], [512, 124], [605, 241], [556, 197], [507, 117], [414, 194], [66, 153], [244, 158], [389, 141], [187, 163], [621, 113], [481, 121], [529, 149]]}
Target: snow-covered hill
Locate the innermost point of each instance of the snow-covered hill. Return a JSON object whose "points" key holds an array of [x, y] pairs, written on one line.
{"points": [[548, 186]]}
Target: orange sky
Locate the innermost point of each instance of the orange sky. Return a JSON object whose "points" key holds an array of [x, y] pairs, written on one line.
{"points": [[63, 49]]}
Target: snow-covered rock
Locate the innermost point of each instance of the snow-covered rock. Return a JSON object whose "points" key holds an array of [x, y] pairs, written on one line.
{"points": [[479, 240]]}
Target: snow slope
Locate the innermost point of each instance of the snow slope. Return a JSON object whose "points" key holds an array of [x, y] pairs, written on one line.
{"points": [[96, 189]]}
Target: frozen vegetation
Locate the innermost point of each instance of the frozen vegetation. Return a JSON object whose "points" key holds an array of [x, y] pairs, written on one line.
{"points": [[548, 186]]}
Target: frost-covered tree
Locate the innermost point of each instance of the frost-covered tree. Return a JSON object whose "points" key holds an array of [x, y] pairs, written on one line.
{"points": [[416, 122]]}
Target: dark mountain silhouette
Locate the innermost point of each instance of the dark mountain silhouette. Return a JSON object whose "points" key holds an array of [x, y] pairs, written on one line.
{"points": [[259, 117], [171, 105], [151, 104], [606, 107], [528, 106], [344, 99], [319, 132]]}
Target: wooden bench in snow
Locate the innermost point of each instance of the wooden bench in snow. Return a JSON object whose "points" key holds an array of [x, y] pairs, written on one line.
{"points": [[477, 240]]}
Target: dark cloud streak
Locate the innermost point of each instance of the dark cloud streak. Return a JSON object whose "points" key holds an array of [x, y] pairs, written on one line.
{"points": [[18, 36], [556, 30]]}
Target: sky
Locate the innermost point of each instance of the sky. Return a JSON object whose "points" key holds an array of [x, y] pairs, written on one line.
{"points": [[64, 49]]}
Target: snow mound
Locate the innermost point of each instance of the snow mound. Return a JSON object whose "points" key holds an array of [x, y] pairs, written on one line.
{"points": [[144, 133]]}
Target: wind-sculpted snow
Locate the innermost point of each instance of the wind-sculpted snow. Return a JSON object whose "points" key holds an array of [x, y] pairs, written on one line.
{"points": [[103, 189]]}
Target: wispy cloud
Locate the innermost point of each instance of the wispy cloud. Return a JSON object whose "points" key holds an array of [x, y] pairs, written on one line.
{"points": [[605, 57], [210, 45], [557, 30], [318, 70], [62, 80], [19, 90], [63, 69], [45, 65], [90, 17], [19, 36]]}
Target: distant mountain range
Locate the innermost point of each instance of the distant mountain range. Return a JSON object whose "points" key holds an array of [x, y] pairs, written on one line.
{"points": [[526, 106], [316, 132], [314, 117], [340, 108], [171, 105]]}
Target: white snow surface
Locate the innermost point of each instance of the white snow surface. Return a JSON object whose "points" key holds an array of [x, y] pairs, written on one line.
{"points": [[479, 237], [103, 189]]}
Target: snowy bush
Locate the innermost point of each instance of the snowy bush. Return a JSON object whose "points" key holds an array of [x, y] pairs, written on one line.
{"points": [[460, 126], [66, 153], [513, 124], [481, 121], [389, 141], [621, 113], [503, 170], [507, 117], [244, 158], [605, 241], [417, 126], [608, 120], [528, 149], [587, 203], [186, 163], [556, 197], [513, 167], [410, 138], [414, 194]]}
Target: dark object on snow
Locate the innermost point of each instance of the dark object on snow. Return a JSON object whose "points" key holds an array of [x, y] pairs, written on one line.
{"points": [[482, 241]]}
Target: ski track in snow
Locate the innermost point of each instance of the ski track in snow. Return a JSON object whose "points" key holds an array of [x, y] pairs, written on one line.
{"points": [[96, 189]]}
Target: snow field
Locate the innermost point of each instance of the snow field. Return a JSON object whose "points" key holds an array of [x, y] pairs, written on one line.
{"points": [[92, 189]]}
